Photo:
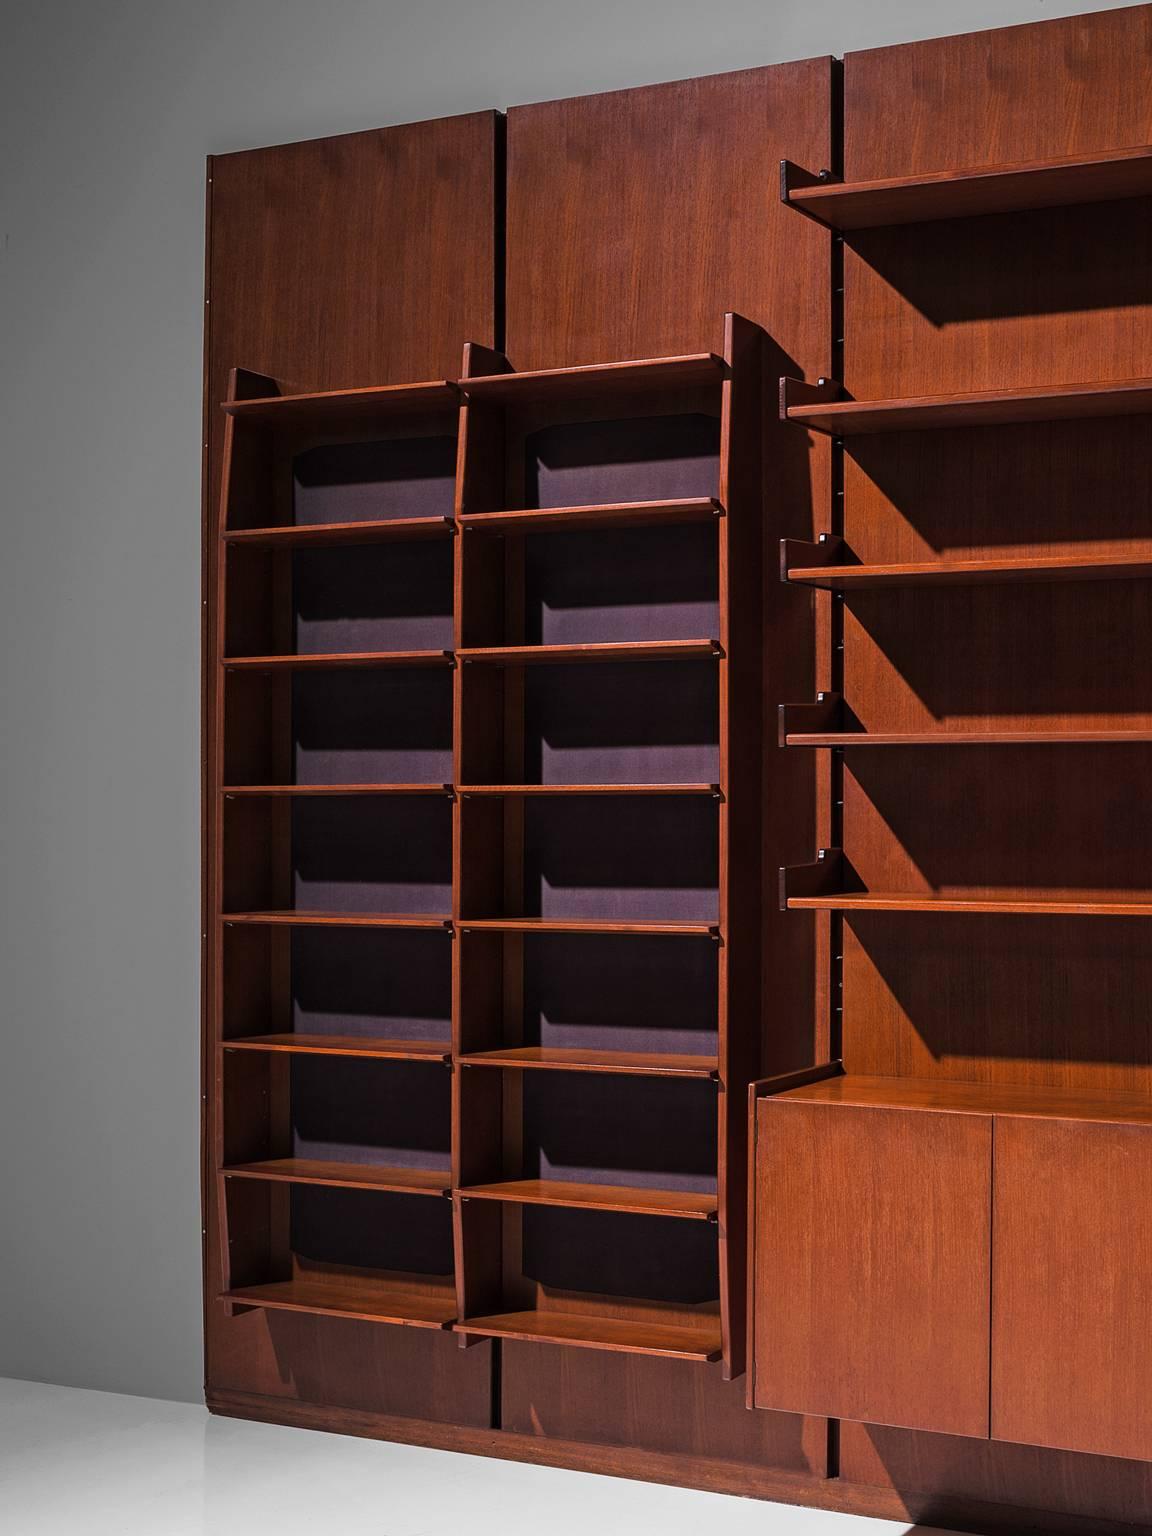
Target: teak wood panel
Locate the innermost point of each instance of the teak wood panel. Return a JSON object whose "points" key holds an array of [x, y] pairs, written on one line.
{"points": [[1072, 1272], [309, 286], [873, 1253], [636, 219]]}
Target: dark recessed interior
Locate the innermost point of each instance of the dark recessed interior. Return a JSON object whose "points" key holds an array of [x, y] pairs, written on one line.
{"points": [[641, 458], [647, 1133], [372, 854], [373, 597], [383, 985], [375, 481], [392, 1114], [360, 1229], [646, 1257]]}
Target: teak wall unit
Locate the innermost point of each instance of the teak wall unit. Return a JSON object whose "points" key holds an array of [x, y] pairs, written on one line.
{"points": [[515, 541], [978, 1148]]}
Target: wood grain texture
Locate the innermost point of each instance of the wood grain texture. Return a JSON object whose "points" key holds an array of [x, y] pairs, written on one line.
{"points": [[600, 1197], [340, 264], [1052, 183], [681, 173], [872, 1264], [1072, 1266]]}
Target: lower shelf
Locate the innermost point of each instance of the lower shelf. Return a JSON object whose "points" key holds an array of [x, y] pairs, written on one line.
{"points": [[300, 1170], [564, 1059], [410, 1309], [695, 1341], [382, 1049], [597, 1197]]}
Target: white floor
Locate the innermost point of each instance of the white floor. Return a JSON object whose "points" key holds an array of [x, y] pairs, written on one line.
{"points": [[78, 1463]]}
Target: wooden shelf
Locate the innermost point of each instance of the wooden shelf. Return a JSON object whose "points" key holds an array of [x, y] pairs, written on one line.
{"points": [[585, 925], [621, 514], [300, 1170], [698, 1341], [303, 663], [378, 1048], [615, 650], [563, 1059], [323, 791], [1103, 177], [335, 405], [830, 885], [1039, 738], [329, 1298], [940, 1095], [320, 535], [690, 371], [847, 578], [981, 408], [597, 1197], [292, 918], [896, 901], [520, 790]]}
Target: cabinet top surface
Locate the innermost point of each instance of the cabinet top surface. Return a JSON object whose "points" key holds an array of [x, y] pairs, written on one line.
{"points": [[971, 1099]]}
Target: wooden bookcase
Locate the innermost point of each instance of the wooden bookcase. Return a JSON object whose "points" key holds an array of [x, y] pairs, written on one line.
{"points": [[978, 1144], [473, 775]]}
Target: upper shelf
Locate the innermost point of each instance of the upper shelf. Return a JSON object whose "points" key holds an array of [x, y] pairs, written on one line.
{"points": [[619, 514], [335, 405], [379, 1048], [1096, 178], [824, 565], [824, 412], [586, 925], [613, 650], [831, 885], [638, 377], [312, 535], [828, 723]]}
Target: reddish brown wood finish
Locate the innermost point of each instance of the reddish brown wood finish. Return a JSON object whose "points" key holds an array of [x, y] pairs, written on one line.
{"points": [[990, 551], [873, 1252]]}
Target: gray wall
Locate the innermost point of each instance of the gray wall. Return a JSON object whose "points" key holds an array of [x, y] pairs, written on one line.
{"points": [[107, 109]]}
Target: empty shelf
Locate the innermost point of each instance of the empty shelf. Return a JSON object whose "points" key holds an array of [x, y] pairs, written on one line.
{"points": [[621, 514], [308, 535], [345, 1045], [988, 407], [696, 1341], [331, 1298], [846, 578], [597, 1197], [562, 1059], [585, 925], [1054, 183], [517, 790], [694, 369], [338, 404], [293, 918], [1040, 737], [615, 650], [321, 790], [896, 901], [300, 1170], [305, 662]]}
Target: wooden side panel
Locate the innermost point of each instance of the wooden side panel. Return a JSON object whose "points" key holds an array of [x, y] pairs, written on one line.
{"points": [[636, 219], [344, 262], [872, 1265], [1072, 1274]]}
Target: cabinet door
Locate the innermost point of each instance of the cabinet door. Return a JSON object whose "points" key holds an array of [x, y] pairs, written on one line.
{"points": [[1072, 1286], [872, 1264]]}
